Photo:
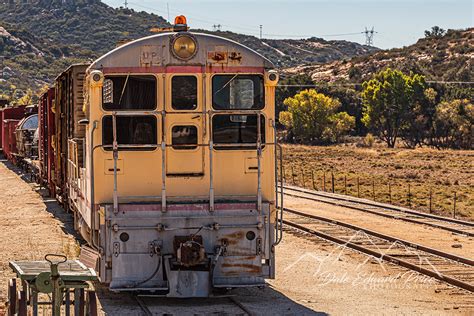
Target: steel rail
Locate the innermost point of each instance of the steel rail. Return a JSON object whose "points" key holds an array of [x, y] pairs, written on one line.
{"points": [[384, 257], [381, 205], [146, 311], [241, 306], [451, 229], [433, 251]]}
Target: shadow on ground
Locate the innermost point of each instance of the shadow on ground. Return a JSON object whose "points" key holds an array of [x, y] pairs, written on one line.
{"points": [[259, 301]]}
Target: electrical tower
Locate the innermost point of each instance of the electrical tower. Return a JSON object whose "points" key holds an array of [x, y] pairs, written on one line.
{"points": [[261, 28], [126, 4], [217, 27], [369, 36]]}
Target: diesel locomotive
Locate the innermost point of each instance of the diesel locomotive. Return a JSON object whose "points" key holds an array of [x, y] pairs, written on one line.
{"points": [[165, 150]]}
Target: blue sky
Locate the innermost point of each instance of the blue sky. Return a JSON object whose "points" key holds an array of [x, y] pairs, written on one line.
{"points": [[398, 23]]}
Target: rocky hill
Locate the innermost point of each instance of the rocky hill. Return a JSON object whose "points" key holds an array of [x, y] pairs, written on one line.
{"points": [[446, 57], [40, 38]]}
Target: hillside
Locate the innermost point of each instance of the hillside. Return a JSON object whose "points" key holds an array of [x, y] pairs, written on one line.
{"points": [[449, 58], [41, 38]]}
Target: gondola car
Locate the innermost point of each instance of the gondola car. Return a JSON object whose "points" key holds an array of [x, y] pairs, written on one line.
{"points": [[168, 161]]}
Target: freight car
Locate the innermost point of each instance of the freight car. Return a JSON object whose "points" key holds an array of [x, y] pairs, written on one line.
{"points": [[165, 151]]}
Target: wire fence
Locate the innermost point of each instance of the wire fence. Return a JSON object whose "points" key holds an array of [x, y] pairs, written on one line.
{"points": [[435, 199]]}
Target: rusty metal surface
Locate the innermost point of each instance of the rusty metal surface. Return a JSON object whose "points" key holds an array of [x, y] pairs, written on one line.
{"points": [[154, 51]]}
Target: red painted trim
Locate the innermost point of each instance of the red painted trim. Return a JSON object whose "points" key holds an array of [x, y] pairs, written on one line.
{"points": [[186, 207], [183, 69]]}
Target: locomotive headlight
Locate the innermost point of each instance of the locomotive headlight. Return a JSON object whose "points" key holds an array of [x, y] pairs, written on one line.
{"points": [[184, 47]]}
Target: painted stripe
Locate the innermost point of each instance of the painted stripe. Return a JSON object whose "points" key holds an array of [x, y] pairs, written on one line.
{"points": [[182, 69]]}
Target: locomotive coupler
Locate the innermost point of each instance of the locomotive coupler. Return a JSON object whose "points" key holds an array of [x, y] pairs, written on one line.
{"points": [[190, 251]]}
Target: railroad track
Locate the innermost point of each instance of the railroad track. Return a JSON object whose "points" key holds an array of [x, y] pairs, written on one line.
{"points": [[450, 224], [452, 269], [147, 312]]}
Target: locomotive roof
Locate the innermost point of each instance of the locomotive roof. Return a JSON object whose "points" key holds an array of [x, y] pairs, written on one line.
{"points": [[155, 50]]}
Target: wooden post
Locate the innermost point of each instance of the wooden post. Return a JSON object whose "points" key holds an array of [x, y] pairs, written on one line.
{"points": [[373, 189], [409, 195], [390, 192], [345, 184], [332, 181], [431, 200], [454, 205], [302, 177], [312, 179], [358, 188], [324, 181], [293, 175]]}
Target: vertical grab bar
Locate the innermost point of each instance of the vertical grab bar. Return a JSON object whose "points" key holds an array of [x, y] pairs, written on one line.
{"points": [[280, 227], [211, 165], [163, 161], [115, 156], [259, 154]]}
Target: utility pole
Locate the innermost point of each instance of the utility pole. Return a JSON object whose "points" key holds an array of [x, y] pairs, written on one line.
{"points": [[168, 8], [369, 36], [261, 27]]}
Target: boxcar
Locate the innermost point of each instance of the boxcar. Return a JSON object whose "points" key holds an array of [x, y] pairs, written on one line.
{"points": [[10, 117]]}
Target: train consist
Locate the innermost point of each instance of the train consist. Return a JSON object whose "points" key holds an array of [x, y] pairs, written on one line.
{"points": [[165, 151]]}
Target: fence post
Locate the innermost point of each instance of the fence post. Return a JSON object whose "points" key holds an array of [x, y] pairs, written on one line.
{"points": [[373, 189], [332, 181], [302, 177], [324, 181], [283, 173], [454, 205], [409, 195], [389, 192], [293, 176], [345, 184], [358, 188], [312, 179], [431, 200]]}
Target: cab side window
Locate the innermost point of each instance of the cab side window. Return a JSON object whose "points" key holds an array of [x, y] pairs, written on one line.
{"points": [[131, 130]]}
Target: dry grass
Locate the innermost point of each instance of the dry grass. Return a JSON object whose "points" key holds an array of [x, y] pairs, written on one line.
{"points": [[388, 173]]}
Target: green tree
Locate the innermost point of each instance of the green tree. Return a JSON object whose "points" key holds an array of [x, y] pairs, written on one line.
{"points": [[454, 124], [388, 102], [312, 117], [435, 32]]}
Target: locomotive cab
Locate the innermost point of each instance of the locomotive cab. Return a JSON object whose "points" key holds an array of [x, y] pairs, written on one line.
{"points": [[178, 189]]}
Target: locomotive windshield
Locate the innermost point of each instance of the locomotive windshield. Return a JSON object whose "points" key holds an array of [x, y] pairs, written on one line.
{"points": [[237, 92], [129, 93]]}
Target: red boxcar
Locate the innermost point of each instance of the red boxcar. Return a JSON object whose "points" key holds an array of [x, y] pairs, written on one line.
{"points": [[10, 117], [46, 135]]}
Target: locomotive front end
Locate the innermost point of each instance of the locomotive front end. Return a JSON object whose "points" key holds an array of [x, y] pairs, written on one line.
{"points": [[181, 165]]}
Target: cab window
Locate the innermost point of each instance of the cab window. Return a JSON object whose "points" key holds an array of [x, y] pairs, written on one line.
{"points": [[122, 93], [237, 92], [131, 130], [237, 129], [184, 92]]}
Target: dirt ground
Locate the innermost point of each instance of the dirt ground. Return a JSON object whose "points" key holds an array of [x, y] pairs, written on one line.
{"points": [[314, 277], [443, 172]]}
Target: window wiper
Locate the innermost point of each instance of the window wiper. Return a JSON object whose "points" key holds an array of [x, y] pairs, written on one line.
{"points": [[226, 84], [123, 90]]}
